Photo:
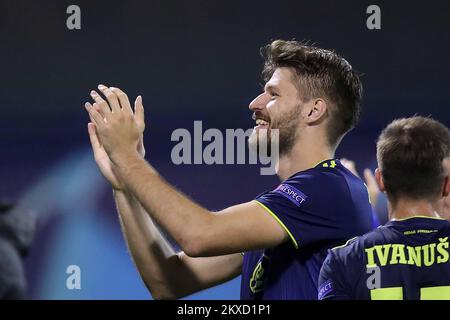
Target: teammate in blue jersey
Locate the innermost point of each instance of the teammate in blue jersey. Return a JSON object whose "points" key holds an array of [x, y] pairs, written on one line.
{"points": [[408, 257], [312, 98]]}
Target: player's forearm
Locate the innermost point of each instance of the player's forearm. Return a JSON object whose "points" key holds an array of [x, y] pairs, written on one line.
{"points": [[185, 221], [153, 256], [166, 274]]}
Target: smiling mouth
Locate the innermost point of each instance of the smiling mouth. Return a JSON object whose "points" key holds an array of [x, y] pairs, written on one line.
{"points": [[260, 123], [260, 120]]}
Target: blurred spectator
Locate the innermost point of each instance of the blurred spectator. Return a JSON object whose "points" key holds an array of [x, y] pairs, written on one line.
{"points": [[376, 197], [379, 200], [16, 233]]}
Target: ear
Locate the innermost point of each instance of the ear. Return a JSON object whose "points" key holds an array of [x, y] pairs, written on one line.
{"points": [[315, 110], [446, 189], [379, 180]]}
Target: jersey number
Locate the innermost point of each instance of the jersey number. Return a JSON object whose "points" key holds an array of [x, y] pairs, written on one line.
{"points": [[396, 293]]}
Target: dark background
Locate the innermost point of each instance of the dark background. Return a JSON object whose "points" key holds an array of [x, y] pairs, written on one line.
{"points": [[190, 60]]}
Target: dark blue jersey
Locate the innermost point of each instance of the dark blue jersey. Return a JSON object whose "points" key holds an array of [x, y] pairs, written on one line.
{"points": [[404, 259], [319, 208]]}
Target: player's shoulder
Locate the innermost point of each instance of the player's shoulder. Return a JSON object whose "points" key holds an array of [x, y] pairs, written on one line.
{"points": [[354, 247], [328, 178], [328, 170]]}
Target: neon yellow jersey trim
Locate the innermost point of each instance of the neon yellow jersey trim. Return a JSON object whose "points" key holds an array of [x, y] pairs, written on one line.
{"points": [[428, 217], [280, 222]]}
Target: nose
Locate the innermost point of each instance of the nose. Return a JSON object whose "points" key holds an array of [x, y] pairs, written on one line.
{"points": [[259, 103]]}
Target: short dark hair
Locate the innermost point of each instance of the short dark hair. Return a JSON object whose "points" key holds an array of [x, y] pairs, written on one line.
{"points": [[410, 154], [320, 74]]}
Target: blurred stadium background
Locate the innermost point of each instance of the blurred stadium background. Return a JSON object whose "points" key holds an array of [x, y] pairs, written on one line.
{"points": [[190, 60]]}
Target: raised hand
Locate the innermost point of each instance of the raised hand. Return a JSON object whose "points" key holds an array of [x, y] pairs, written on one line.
{"points": [[102, 159], [115, 123], [101, 156]]}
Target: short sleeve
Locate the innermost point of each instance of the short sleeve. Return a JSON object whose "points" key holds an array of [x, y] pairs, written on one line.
{"points": [[304, 208], [331, 283]]}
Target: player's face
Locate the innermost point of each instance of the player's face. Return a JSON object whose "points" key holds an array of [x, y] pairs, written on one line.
{"points": [[278, 107]]}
